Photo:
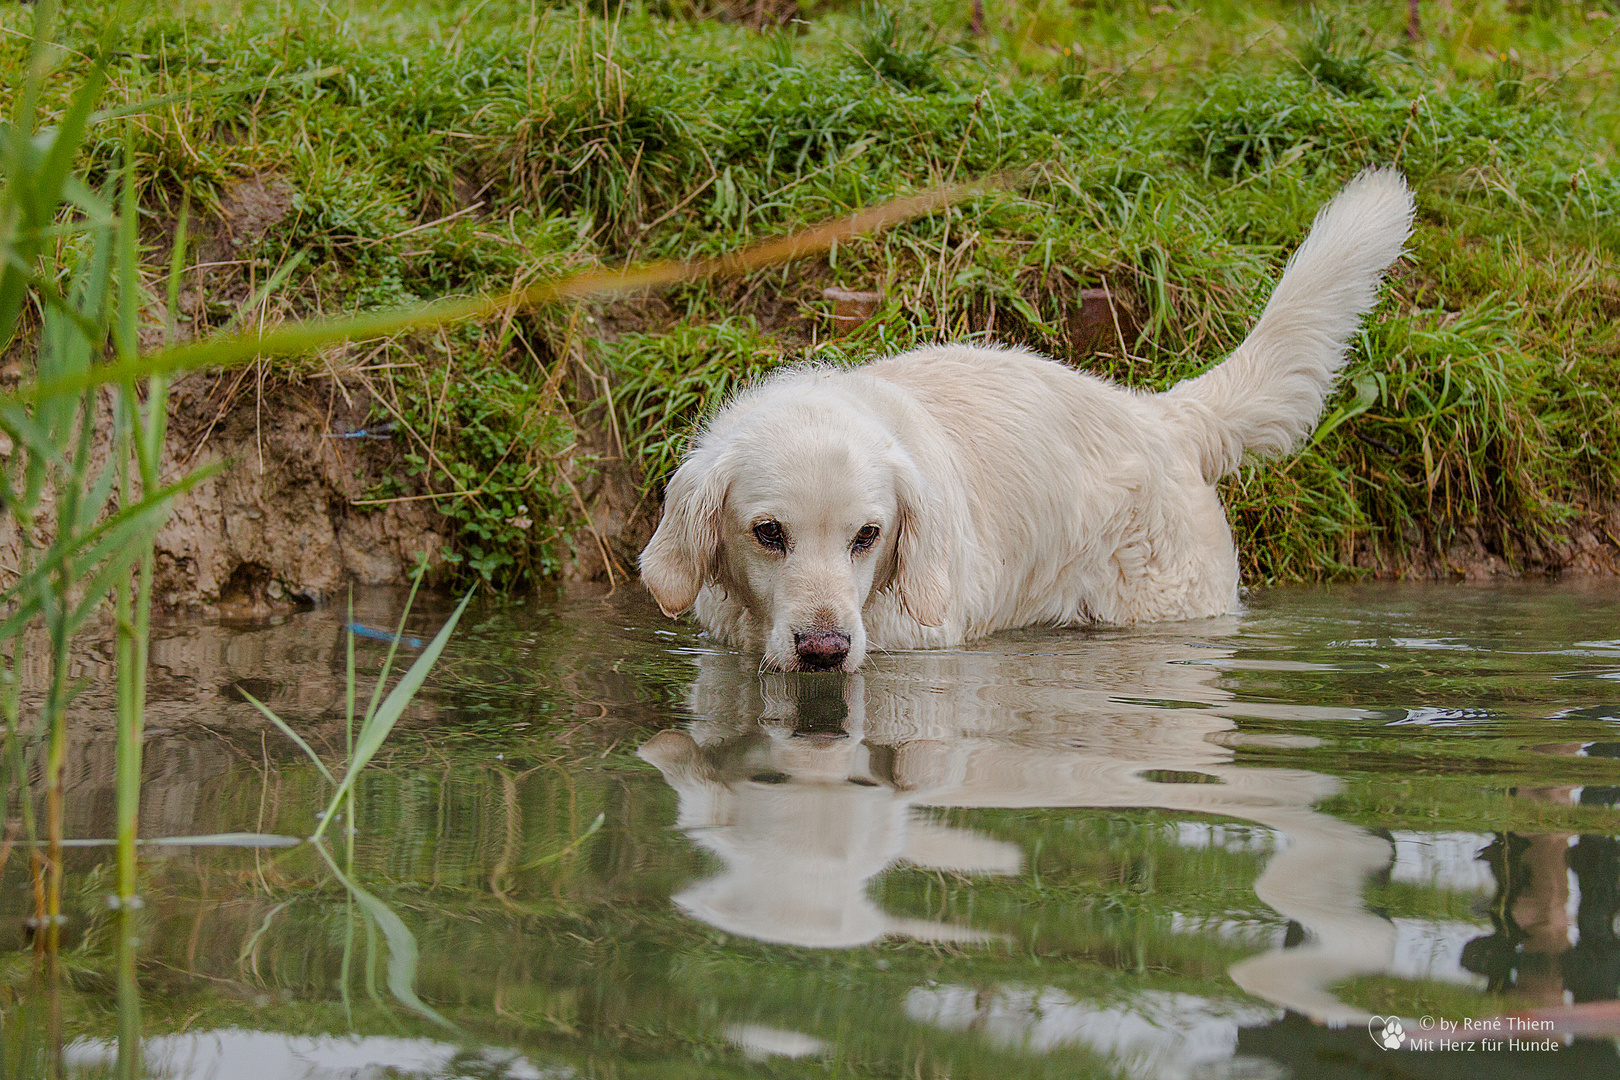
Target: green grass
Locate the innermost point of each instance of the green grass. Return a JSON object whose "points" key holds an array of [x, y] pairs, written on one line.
{"points": [[453, 149]]}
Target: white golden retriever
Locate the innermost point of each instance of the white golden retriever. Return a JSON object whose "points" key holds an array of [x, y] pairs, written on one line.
{"points": [[955, 490]]}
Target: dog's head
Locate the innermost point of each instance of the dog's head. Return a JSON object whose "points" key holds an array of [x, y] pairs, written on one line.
{"points": [[801, 506]]}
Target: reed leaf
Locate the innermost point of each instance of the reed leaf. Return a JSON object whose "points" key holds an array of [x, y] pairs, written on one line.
{"points": [[374, 729], [568, 849], [114, 534], [235, 839], [240, 348], [37, 167]]}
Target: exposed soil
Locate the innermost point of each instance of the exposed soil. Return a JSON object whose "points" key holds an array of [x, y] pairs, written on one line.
{"points": [[286, 521], [290, 520], [1590, 545]]}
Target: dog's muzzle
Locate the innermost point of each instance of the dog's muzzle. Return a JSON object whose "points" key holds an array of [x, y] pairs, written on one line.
{"points": [[821, 650]]}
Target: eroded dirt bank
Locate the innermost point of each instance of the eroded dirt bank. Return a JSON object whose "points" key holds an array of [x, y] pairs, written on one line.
{"points": [[293, 516], [288, 518]]}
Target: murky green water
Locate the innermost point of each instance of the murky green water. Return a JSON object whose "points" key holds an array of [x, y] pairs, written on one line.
{"points": [[1170, 852]]}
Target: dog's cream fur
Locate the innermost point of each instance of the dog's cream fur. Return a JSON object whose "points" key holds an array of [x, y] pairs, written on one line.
{"points": [[1007, 489]]}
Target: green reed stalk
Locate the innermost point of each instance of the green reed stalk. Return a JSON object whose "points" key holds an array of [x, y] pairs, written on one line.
{"points": [[129, 997], [141, 445], [127, 782], [380, 719], [60, 626], [348, 731]]}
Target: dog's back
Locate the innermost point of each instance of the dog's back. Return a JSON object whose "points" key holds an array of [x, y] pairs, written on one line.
{"points": [[1076, 488]]}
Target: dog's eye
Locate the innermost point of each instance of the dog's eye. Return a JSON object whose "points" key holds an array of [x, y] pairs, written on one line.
{"points": [[866, 537], [771, 535]]}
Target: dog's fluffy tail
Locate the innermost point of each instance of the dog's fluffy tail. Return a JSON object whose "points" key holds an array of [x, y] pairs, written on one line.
{"points": [[1268, 394]]}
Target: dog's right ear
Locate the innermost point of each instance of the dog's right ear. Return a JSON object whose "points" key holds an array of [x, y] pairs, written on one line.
{"points": [[684, 551]]}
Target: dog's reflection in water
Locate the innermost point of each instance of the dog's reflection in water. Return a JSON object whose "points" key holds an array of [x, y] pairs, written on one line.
{"points": [[806, 787], [777, 780]]}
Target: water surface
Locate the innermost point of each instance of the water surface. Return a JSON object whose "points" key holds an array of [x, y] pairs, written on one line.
{"points": [[600, 847]]}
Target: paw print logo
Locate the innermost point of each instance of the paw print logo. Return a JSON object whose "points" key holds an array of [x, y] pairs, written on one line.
{"points": [[1387, 1031]]}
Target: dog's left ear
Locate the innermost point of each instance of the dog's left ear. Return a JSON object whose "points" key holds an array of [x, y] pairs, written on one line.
{"points": [[683, 554], [922, 549]]}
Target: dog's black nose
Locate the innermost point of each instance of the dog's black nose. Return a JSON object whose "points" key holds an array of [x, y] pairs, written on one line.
{"points": [[821, 650]]}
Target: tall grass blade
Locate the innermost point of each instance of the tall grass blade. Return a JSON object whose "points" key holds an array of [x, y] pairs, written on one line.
{"points": [[344, 992], [348, 739], [245, 953], [234, 839], [35, 181], [115, 534], [131, 690], [129, 998], [307, 336], [52, 175], [271, 284], [393, 650], [348, 683], [127, 245], [568, 849], [1368, 390]]}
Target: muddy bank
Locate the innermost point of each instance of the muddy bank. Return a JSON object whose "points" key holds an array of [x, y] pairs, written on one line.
{"points": [[294, 516], [1590, 546], [287, 518]]}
